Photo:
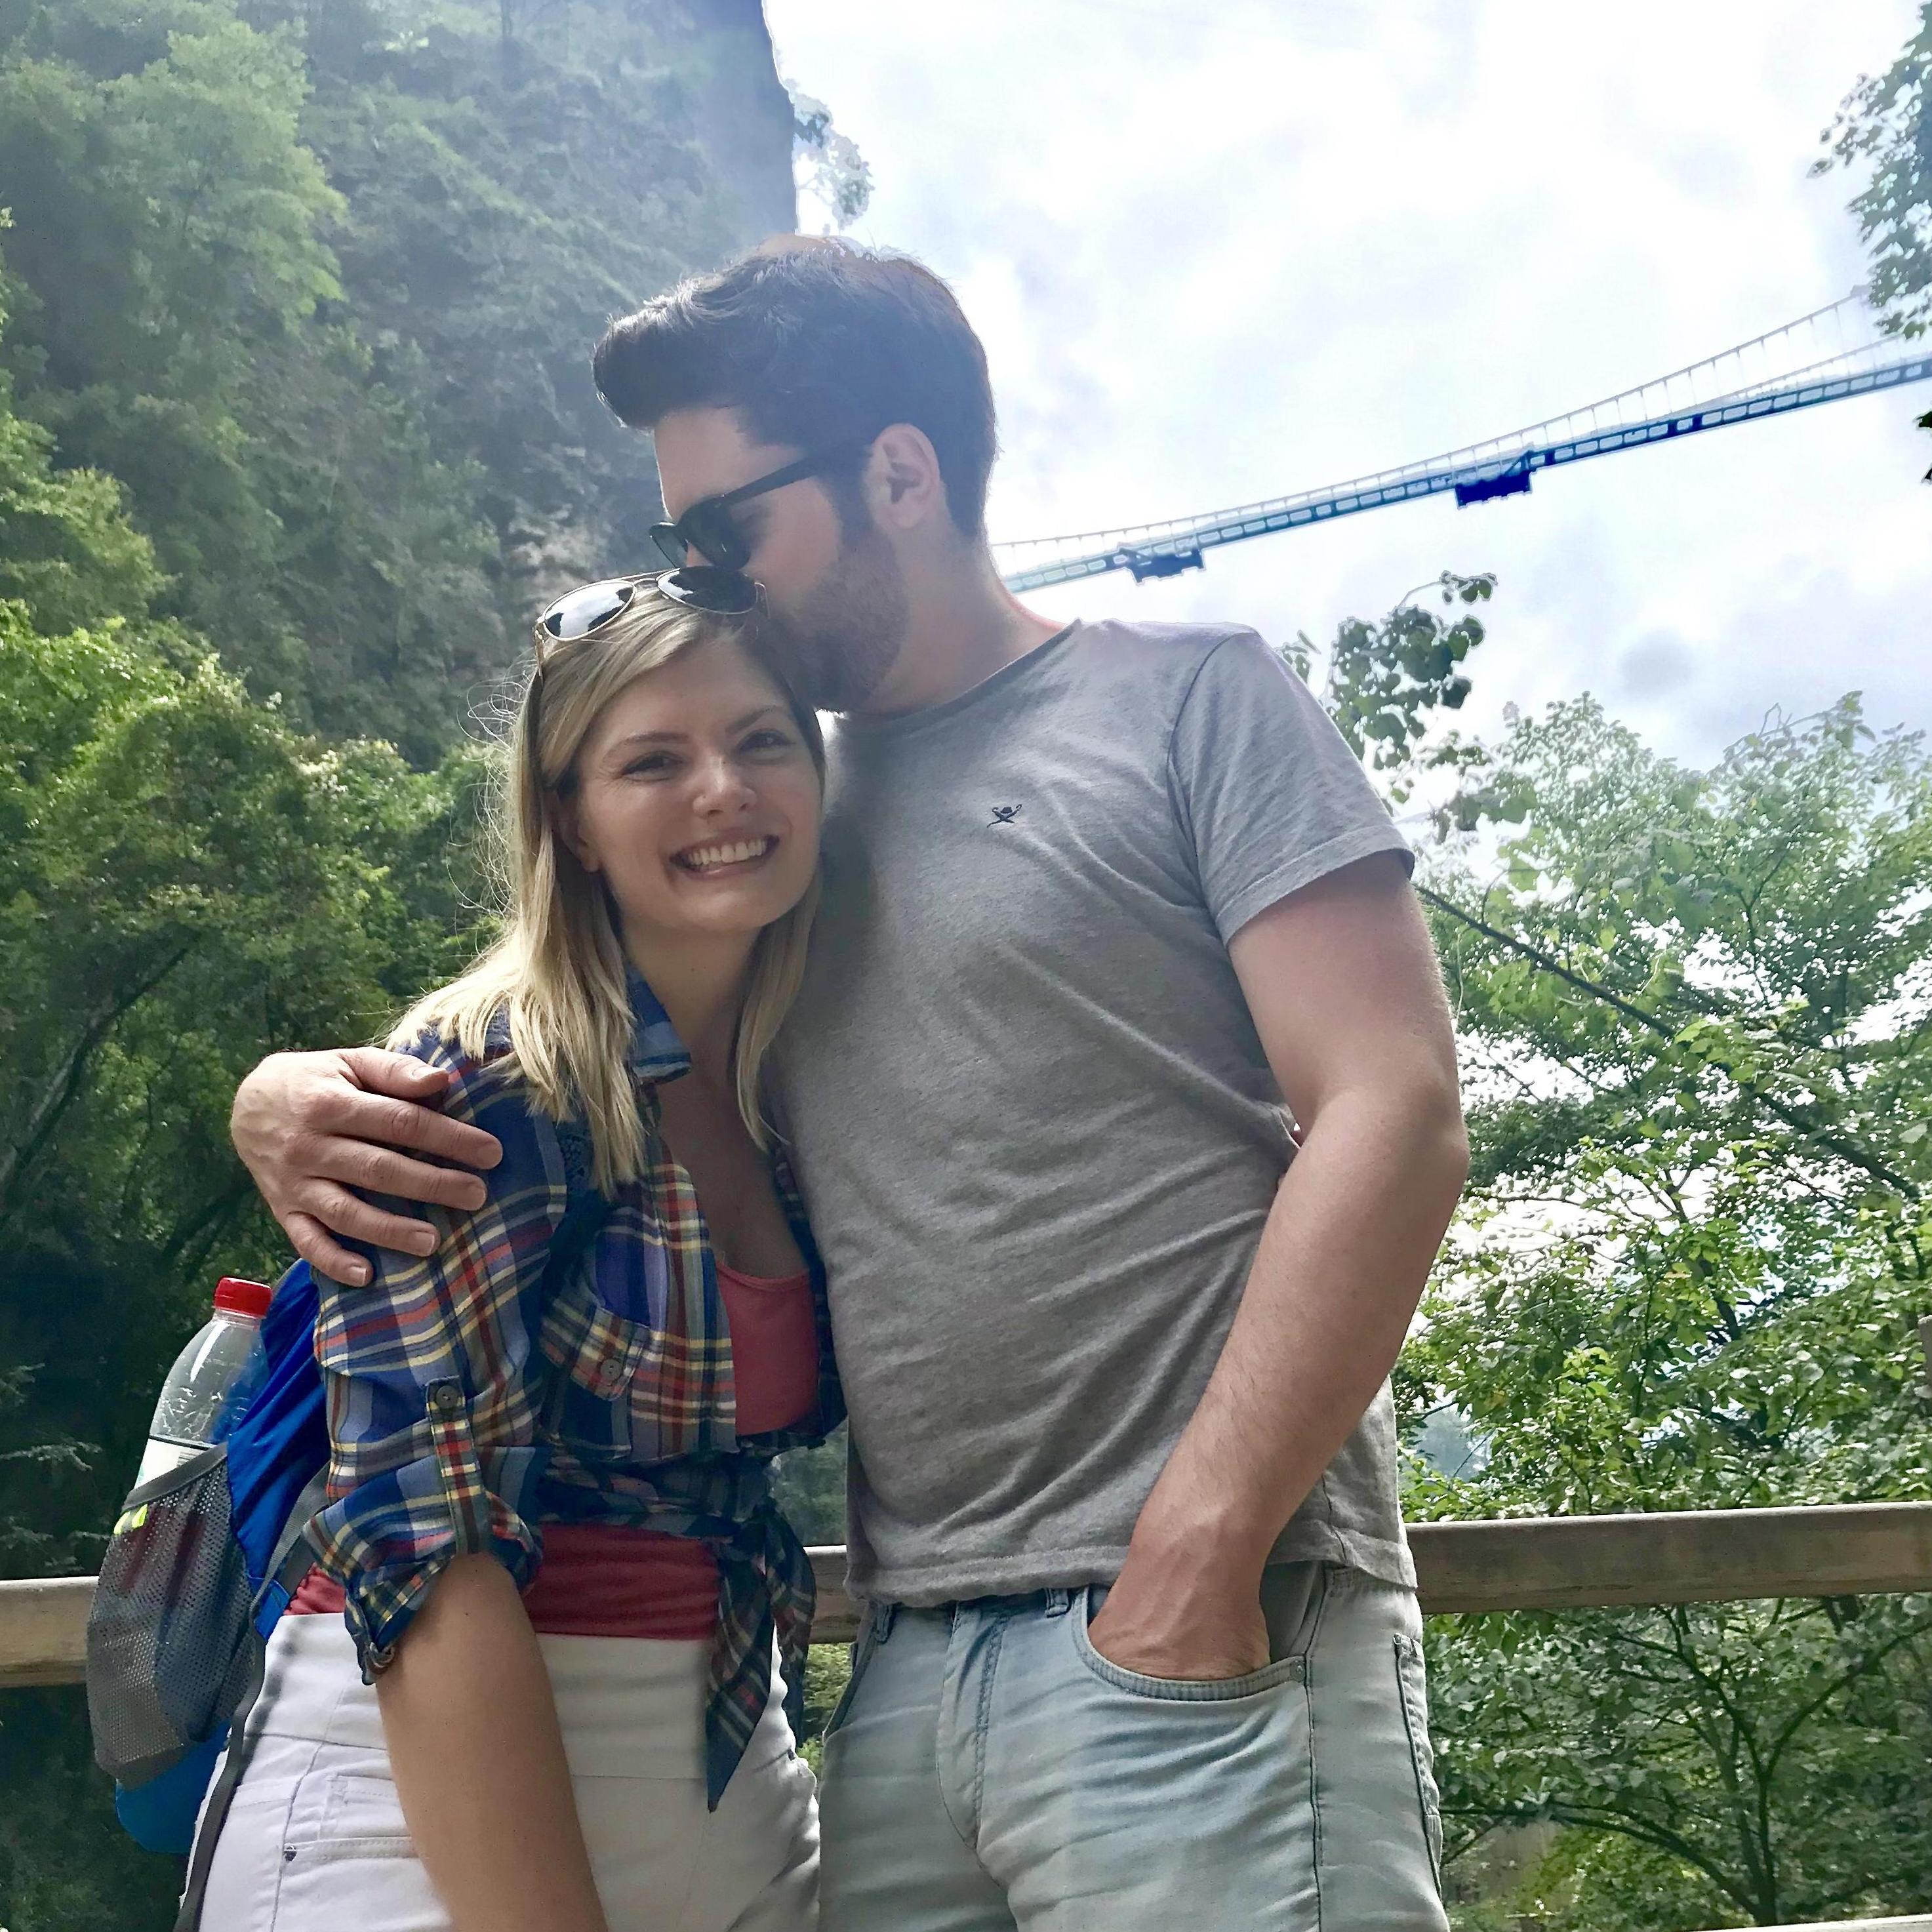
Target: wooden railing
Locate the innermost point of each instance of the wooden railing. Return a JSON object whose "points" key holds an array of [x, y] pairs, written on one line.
{"points": [[1910, 1925], [1533, 1563], [1564, 1563]]}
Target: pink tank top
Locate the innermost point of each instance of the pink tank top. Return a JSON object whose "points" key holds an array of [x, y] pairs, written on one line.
{"points": [[610, 1579], [774, 1348]]}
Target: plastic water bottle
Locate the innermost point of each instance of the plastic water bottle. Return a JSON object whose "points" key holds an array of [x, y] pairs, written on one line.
{"points": [[212, 1381]]}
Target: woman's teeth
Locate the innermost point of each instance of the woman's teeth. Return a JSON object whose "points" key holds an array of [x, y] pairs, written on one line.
{"points": [[708, 858]]}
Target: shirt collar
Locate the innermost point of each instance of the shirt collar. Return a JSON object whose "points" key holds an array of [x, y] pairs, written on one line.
{"points": [[656, 1052]]}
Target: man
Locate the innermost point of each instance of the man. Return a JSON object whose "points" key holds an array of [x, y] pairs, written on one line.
{"points": [[1142, 1644]]}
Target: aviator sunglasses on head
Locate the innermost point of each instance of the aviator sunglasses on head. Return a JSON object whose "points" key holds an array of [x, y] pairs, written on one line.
{"points": [[724, 593]]}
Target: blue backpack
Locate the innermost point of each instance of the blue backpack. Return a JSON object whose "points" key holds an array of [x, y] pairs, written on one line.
{"points": [[200, 1566]]}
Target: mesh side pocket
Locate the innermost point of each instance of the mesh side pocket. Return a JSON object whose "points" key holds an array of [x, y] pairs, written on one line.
{"points": [[169, 1641]]}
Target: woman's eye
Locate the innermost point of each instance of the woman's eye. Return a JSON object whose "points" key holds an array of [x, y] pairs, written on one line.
{"points": [[769, 740], [652, 765]]}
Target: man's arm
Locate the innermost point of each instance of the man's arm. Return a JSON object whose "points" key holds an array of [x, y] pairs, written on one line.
{"points": [[1342, 983], [310, 1127]]}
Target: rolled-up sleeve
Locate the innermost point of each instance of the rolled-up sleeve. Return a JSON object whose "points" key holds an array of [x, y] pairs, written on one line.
{"points": [[433, 1381]]}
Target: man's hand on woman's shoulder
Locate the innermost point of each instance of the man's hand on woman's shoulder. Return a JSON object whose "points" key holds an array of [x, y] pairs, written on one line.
{"points": [[312, 1127]]}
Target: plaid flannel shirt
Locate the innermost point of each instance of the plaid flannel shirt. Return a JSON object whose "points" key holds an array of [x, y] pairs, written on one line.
{"points": [[478, 1392]]}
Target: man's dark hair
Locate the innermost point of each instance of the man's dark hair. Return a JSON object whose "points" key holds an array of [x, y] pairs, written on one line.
{"points": [[818, 344]]}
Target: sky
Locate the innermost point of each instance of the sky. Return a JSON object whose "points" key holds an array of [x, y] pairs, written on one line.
{"points": [[1222, 250]]}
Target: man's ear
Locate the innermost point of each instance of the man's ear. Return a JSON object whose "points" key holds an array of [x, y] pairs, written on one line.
{"points": [[903, 483]]}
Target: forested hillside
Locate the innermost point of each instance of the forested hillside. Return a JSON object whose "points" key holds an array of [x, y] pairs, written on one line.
{"points": [[296, 426], [316, 283]]}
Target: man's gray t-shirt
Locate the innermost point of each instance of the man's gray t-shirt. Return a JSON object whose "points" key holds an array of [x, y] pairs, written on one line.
{"points": [[1036, 1130]]}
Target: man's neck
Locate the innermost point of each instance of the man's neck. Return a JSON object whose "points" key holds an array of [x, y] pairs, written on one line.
{"points": [[965, 625]]}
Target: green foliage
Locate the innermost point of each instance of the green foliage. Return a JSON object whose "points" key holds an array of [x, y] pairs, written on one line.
{"points": [[172, 331], [810, 1486], [1386, 681], [66, 548], [837, 172], [184, 881], [828, 1669], [503, 202], [1693, 1010], [295, 418], [65, 1863], [295, 366], [1886, 121], [317, 284]]}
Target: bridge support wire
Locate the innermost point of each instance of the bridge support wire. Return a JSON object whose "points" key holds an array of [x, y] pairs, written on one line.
{"points": [[1771, 375]]}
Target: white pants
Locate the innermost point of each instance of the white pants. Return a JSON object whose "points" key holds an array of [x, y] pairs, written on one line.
{"points": [[315, 1840]]}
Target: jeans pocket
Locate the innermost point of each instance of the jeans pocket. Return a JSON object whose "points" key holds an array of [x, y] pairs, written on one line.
{"points": [[361, 1817], [1176, 1689], [1411, 1685], [346, 1858]]}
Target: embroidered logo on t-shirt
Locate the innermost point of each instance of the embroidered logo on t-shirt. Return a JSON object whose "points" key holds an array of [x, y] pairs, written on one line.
{"points": [[1005, 814]]}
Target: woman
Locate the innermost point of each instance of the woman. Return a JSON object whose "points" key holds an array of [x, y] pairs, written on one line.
{"points": [[549, 1543]]}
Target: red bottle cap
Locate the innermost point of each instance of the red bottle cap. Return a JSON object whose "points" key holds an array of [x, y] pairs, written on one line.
{"points": [[233, 1296]]}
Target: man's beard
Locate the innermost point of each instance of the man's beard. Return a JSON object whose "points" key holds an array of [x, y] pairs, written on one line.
{"points": [[841, 641]]}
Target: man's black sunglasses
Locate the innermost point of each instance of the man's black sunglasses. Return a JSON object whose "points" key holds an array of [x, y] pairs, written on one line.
{"points": [[708, 526], [724, 593]]}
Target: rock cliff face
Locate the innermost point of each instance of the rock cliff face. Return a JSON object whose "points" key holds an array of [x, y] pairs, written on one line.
{"points": [[743, 115], [713, 63], [359, 504], [655, 139]]}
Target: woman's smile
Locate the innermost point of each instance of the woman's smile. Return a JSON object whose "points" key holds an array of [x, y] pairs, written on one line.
{"points": [[727, 856]]}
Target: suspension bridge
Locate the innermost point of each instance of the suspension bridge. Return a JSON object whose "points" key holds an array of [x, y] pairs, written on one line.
{"points": [[1804, 363]]}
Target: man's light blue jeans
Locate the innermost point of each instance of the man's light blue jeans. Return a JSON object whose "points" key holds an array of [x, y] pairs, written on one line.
{"points": [[988, 1770]]}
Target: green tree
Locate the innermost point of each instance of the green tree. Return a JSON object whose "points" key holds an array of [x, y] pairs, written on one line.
{"points": [[296, 425], [66, 550], [317, 282], [173, 330], [1884, 124], [500, 207], [183, 879], [1694, 1013], [810, 1485], [1385, 683]]}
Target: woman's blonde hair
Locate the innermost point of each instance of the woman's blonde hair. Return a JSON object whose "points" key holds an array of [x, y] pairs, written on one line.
{"points": [[558, 970]]}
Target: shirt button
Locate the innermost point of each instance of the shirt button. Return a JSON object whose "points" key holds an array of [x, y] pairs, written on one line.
{"points": [[446, 1396]]}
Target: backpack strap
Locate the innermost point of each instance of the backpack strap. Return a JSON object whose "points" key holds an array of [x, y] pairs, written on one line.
{"points": [[289, 1562], [286, 1568]]}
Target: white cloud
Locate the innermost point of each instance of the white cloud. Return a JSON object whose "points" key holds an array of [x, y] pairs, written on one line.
{"points": [[1220, 252]]}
